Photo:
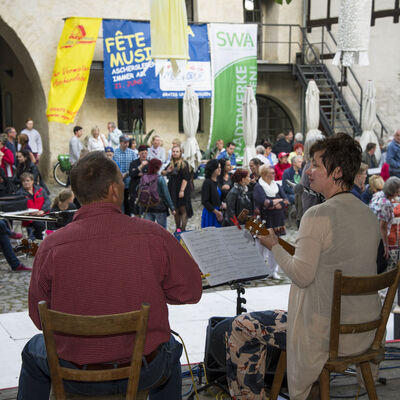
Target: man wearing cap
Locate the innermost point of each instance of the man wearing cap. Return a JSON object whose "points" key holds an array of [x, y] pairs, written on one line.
{"points": [[104, 262], [281, 165], [137, 168], [123, 156]]}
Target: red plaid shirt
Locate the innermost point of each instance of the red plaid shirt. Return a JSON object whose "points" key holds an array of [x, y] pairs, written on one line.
{"points": [[105, 262]]}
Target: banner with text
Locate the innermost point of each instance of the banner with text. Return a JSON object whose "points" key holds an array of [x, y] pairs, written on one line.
{"points": [[129, 71], [71, 70], [234, 66]]}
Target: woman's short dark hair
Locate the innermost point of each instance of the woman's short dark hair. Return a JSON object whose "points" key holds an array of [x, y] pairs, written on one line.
{"points": [[92, 176], [154, 166], [210, 167], [240, 174], [340, 151]]}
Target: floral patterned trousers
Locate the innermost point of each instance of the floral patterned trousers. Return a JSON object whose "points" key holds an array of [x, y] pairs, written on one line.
{"points": [[246, 351]]}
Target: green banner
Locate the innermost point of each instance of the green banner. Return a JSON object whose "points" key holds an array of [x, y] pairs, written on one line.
{"points": [[234, 65]]}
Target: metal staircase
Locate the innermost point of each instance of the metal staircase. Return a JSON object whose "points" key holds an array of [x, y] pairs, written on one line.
{"points": [[335, 113]]}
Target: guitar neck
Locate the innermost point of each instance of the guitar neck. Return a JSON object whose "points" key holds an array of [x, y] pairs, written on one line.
{"points": [[287, 246], [257, 227]]}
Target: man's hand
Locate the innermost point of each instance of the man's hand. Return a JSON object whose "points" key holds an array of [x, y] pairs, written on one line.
{"points": [[225, 187], [143, 163], [270, 240], [181, 194]]}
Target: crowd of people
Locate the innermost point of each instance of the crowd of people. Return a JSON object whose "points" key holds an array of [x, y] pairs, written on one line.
{"points": [[111, 177]]}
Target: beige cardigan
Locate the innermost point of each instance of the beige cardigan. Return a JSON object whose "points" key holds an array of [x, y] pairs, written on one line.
{"points": [[341, 233]]}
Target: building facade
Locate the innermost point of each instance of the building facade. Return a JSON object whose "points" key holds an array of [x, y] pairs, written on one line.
{"points": [[30, 31]]}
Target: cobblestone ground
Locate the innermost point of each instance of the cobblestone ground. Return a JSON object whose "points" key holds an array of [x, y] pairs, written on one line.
{"points": [[14, 285]]}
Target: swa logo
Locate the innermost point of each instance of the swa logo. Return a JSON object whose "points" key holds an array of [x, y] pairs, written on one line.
{"points": [[227, 39]]}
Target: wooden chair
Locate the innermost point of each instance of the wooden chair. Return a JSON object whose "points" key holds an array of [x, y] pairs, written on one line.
{"points": [[102, 325], [351, 286]]}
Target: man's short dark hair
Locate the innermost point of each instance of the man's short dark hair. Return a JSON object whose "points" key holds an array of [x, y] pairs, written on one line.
{"points": [[340, 151], [267, 144], [371, 146], [77, 128], [230, 144], [256, 161], [92, 176]]}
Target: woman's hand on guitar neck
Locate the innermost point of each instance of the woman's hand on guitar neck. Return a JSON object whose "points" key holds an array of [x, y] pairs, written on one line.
{"points": [[269, 240]]}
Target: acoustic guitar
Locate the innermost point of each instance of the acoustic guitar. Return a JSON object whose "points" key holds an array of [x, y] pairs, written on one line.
{"points": [[256, 227]]}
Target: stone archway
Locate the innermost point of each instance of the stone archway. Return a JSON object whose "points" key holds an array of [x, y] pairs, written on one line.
{"points": [[19, 79]]}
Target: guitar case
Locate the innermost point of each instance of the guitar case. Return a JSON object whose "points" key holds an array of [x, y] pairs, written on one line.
{"points": [[13, 203]]}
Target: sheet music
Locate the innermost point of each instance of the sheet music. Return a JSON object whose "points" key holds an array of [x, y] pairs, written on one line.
{"points": [[224, 254]]}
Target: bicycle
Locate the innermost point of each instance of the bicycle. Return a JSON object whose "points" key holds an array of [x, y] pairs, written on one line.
{"points": [[61, 169]]}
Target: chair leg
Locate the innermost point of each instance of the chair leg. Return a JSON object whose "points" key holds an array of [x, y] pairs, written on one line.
{"points": [[279, 374], [324, 384], [368, 380], [142, 395]]}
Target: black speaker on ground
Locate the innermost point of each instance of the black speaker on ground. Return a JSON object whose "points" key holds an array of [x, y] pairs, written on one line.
{"points": [[215, 352]]}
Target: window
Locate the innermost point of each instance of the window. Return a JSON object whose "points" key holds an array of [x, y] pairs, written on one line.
{"points": [[129, 110], [272, 119], [200, 128], [254, 16], [189, 10]]}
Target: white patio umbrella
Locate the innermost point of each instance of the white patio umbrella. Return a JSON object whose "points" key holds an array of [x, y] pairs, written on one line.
{"points": [[249, 113], [312, 109], [353, 36], [369, 119], [191, 112]]}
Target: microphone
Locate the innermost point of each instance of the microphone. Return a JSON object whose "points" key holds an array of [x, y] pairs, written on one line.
{"points": [[299, 188]]}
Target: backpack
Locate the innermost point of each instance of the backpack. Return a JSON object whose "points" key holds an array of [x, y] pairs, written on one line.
{"points": [[148, 194]]}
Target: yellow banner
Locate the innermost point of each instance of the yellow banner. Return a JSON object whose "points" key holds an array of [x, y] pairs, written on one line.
{"points": [[71, 70]]}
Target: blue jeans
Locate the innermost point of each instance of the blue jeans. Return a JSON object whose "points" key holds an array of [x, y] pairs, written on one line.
{"points": [[159, 217], [164, 370], [6, 247]]}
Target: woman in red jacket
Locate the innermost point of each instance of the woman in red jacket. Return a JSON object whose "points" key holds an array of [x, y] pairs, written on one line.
{"points": [[36, 198], [6, 157]]}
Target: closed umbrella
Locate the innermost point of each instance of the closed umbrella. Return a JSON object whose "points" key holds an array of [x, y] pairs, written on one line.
{"points": [[191, 112], [169, 34], [353, 32], [312, 110], [369, 119], [249, 109]]}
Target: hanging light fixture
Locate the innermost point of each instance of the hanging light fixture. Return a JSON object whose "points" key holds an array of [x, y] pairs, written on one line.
{"points": [[249, 5]]}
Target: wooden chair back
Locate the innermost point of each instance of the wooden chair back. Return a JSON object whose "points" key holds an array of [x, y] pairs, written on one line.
{"points": [[354, 286], [101, 325]]}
